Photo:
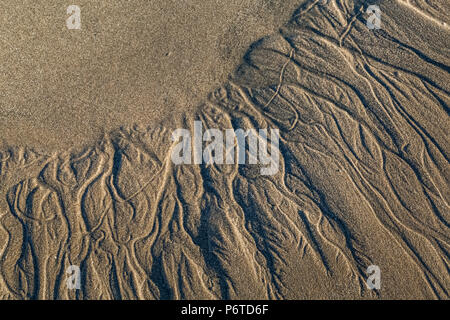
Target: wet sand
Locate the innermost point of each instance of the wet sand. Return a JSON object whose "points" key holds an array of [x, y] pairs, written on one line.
{"points": [[363, 175]]}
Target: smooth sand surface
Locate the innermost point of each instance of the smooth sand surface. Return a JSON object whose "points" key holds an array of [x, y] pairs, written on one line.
{"points": [[132, 62], [363, 174]]}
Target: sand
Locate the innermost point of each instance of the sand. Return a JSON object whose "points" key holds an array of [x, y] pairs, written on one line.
{"points": [[87, 179], [132, 62]]}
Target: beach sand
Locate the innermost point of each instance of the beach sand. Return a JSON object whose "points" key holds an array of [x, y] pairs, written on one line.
{"points": [[132, 62], [87, 178]]}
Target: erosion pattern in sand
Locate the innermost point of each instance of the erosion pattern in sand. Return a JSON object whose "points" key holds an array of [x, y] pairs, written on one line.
{"points": [[363, 179]]}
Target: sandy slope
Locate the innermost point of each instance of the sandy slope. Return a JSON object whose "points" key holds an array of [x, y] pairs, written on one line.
{"points": [[364, 179]]}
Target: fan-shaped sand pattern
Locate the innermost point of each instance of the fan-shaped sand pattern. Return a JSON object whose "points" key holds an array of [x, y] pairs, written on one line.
{"points": [[364, 179]]}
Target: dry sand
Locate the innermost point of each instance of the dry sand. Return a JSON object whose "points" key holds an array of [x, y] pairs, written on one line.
{"points": [[364, 169]]}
